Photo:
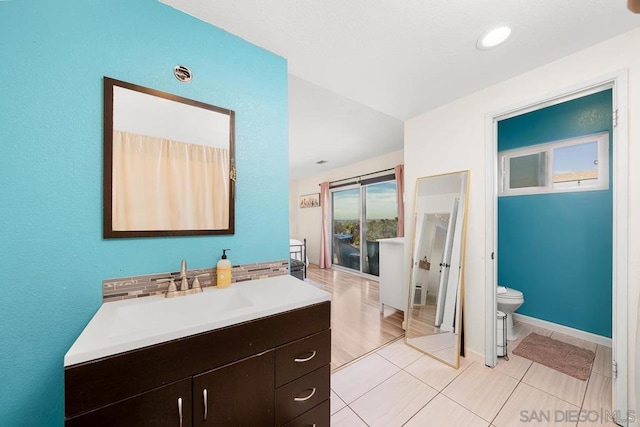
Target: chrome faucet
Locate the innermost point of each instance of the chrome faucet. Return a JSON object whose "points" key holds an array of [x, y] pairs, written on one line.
{"points": [[184, 283], [172, 288]]}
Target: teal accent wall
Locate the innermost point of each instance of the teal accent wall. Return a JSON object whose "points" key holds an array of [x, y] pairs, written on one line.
{"points": [[557, 248], [52, 254]]}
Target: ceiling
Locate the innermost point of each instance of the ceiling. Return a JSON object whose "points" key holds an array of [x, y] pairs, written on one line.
{"points": [[359, 68]]}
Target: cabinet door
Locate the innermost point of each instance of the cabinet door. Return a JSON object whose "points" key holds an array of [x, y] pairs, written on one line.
{"points": [[169, 406], [238, 394]]}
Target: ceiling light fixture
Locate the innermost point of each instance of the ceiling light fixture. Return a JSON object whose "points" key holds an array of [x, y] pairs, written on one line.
{"points": [[493, 37]]}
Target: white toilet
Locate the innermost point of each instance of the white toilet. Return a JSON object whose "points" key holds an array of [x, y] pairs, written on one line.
{"points": [[508, 301]]}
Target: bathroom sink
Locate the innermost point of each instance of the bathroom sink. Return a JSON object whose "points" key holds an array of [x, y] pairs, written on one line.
{"points": [[159, 313]]}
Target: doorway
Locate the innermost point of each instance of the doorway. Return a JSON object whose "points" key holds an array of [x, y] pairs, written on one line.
{"points": [[618, 84]]}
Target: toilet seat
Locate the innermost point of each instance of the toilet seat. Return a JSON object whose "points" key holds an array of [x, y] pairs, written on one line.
{"points": [[511, 294]]}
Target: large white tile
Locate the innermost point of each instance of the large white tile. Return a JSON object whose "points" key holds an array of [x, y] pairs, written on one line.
{"points": [[515, 367], [599, 393], [394, 401], [528, 406], [596, 409], [472, 356], [596, 419], [355, 380], [346, 418], [442, 411], [481, 390], [336, 403], [556, 383], [399, 353], [602, 362], [433, 372]]}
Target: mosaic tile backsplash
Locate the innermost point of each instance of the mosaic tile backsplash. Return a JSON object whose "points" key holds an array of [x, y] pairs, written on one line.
{"points": [[144, 286]]}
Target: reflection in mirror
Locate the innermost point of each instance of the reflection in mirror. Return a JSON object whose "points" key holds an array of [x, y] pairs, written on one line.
{"points": [[434, 314], [169, 164]]}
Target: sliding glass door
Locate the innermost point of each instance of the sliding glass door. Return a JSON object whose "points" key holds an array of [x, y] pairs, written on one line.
{"points": [[346, 228], [362, 214]]}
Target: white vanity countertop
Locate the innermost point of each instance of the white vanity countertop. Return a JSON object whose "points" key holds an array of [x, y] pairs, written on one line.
{"points": [[135, 323]]}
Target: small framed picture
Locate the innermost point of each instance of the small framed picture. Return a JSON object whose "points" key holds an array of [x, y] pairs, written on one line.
{"points": [[310, 200]]}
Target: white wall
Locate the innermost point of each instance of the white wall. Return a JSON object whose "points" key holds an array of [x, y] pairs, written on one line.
{"points": [[452, 138], [306, 223]]}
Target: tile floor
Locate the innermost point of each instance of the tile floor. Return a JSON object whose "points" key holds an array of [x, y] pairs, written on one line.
{"points": [[399, 386]]}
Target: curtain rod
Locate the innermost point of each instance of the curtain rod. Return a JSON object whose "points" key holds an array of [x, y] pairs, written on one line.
{"points": [[360, 176]]}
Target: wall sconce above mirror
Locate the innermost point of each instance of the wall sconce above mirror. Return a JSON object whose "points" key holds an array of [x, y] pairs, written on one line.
{"points": [[169, 164], [436, 282]]}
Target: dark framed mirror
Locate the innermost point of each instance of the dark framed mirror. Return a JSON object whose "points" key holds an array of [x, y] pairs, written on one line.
{"points": [[169, 164]]}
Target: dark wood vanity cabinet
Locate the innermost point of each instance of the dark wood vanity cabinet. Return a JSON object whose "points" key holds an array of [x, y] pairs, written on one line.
{"points": [[269, 371], [237, 394], [156, 408]]}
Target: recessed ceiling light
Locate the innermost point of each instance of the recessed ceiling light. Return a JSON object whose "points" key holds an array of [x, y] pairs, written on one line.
{"points": [[321, 162], [493, 38]]}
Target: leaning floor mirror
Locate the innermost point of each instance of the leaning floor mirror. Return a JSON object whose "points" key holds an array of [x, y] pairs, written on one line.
{"points": [[436, 283]]}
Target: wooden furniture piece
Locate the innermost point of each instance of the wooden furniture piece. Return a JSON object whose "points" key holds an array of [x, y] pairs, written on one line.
{"points": [[270, 371], [392, 285]]}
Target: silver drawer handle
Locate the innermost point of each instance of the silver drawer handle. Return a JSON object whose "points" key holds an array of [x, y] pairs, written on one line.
{"points": [[180, 410], [302, 399], [306, 359], [206, 404]]}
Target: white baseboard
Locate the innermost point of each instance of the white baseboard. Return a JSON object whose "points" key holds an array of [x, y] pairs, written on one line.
{"points": [[576, 333]]}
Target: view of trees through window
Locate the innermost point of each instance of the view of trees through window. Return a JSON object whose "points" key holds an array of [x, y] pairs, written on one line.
{"points": [[369, 212], [376, 229]]}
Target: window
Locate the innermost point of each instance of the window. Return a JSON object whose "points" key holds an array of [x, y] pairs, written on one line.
{"points": [[362, 214], [577, 164]]}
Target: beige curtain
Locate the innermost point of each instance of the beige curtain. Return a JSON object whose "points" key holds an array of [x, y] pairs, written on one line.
{"points": [[160, 184]]}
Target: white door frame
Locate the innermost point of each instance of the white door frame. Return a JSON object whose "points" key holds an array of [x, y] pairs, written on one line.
{"points": [[618, 83]]}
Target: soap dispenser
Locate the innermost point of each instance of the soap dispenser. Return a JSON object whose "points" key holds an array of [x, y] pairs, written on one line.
{"points": [[223, 271]]}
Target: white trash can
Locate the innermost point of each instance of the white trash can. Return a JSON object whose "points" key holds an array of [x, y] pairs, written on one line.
{"points": [[501, 335]]}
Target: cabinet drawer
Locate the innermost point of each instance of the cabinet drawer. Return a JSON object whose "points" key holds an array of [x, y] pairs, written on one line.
{"points": [[316, 417], [155, 408], [303, 356], [297, 397]]}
